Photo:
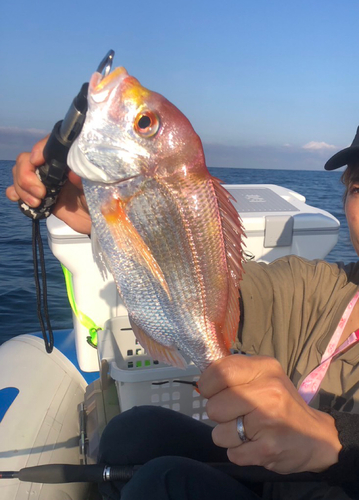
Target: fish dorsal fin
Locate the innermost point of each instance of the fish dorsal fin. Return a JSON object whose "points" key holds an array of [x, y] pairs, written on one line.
{"points": [[167, 354], [124, 233], [230, 327], [233, 233]]}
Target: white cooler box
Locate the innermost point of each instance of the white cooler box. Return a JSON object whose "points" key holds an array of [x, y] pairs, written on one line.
{"points": [[277, 222]]}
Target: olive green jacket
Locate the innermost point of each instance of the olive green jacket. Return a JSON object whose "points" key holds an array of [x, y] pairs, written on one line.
{"points": [[290, 310]]}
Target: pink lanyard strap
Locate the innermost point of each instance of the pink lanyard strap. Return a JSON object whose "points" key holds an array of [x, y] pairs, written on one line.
{"points": [[311, 384]]}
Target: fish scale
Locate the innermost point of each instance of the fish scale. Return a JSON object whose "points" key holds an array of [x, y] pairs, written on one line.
{"points": [[177, 263], [208, 250]]}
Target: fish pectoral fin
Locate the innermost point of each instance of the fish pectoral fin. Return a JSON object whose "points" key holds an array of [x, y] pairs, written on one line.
{"points": [[159, 352], [124, 232]]}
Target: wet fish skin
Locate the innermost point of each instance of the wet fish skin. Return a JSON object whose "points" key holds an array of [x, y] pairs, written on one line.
{"points": [[166, 227]]}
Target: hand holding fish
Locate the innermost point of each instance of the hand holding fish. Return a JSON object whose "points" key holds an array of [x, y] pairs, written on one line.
{"points": [[71, 205], [284, 434]]}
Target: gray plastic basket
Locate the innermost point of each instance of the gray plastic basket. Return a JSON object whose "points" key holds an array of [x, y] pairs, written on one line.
{"points": [[140, 380]]}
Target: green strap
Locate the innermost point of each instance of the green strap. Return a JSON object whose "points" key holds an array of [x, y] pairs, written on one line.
{"points": [[83, 319]]}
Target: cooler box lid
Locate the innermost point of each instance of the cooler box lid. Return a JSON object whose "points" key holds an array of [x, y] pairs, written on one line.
{"points": [[279, 213]]}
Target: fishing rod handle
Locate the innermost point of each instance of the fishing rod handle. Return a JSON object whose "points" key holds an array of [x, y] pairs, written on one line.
{"points": [[61, 473], [66, 473], [98, 473]]}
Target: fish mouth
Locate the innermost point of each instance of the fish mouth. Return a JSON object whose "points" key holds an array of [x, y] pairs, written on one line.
{"points": [[101, 86], [112, 79], [83, 167]]}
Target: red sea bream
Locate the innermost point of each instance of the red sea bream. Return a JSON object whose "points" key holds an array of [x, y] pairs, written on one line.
{"points": [[168, 230]]}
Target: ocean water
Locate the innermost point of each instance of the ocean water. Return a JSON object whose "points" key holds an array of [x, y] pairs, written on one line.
{"points": [[17, 291]]}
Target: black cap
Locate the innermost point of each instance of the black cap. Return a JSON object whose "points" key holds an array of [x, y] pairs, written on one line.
{"points": [[344, 156]]}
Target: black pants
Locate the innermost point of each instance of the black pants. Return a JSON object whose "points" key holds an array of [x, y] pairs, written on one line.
{"points": [[174, 449]]}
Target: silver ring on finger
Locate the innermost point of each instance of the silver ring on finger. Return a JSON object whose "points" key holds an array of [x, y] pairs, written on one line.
{"points": [[240, 430]]}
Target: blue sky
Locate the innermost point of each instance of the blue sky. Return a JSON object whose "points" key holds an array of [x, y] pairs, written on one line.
{"points": [[266, 84]]}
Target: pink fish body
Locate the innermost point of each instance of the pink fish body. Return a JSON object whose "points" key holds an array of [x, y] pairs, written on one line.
{"points": [[168, 230]]}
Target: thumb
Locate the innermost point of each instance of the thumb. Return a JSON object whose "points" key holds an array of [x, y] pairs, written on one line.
{"points": [[37, 152]]}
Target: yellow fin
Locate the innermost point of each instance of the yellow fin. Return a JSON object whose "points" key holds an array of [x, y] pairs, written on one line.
{"points": [[122, 229], [167, 354]]}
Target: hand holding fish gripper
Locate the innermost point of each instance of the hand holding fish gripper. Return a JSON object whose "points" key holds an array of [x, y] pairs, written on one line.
{"points": [[53, 174]]}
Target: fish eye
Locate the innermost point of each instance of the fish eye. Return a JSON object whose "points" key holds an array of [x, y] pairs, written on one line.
{"points": [[146, 124]]}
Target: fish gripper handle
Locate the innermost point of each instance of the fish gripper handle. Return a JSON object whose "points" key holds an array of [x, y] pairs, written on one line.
{"points": [[53, 174]]}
